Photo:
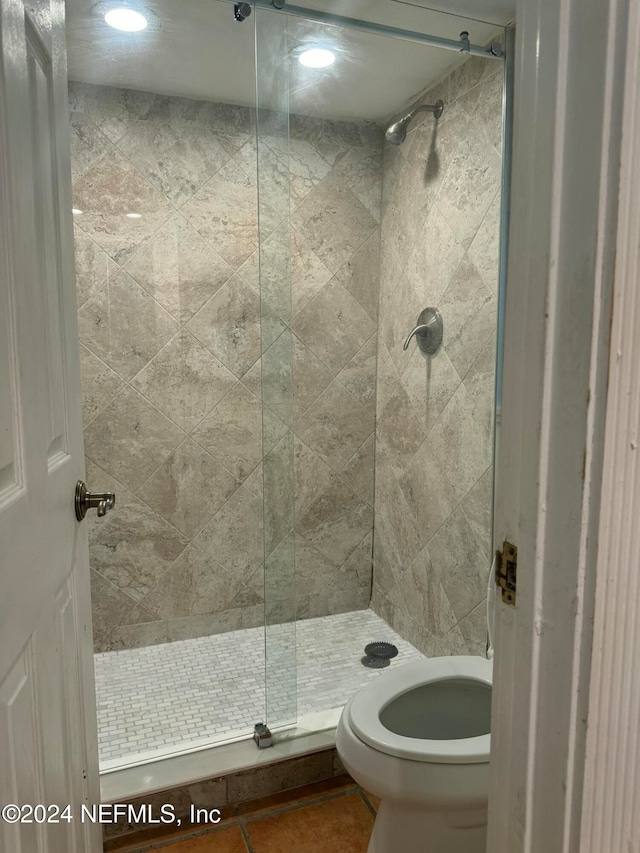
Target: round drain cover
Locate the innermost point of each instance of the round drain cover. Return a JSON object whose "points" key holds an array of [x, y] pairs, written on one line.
{"points": [[375, 663], [381, 650]]}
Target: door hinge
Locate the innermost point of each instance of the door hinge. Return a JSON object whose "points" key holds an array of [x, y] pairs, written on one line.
{"points": [[506, 570]]}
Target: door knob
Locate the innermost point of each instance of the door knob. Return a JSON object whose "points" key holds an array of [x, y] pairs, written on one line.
{"points": [[86, 500]]}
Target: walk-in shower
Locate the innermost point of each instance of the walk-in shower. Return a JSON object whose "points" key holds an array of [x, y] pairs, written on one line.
{"points": [[251, 254]]}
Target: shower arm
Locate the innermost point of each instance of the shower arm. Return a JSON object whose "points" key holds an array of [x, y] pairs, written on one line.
{"points": [[436, 109]]}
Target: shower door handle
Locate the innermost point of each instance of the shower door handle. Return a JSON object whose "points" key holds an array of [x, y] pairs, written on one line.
{"points": [[85, 500]]}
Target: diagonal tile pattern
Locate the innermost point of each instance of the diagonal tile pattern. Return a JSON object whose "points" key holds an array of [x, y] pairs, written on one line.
{"points": [[177, 345], [434, 429]]}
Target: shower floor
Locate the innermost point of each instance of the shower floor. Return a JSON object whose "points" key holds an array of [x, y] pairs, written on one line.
{"points": [[159, 699]]}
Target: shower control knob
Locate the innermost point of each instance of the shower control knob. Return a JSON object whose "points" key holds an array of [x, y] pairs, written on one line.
{"points": [[102, 502]]}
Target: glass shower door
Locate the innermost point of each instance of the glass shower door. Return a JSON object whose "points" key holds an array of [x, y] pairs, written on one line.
{"points": [[272, 140]]}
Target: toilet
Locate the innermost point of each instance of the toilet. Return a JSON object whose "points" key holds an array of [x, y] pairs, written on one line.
{"points": [[418, 737]]}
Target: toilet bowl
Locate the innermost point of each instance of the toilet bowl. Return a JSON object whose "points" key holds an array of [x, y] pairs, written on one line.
{"points": [[418, 738]]}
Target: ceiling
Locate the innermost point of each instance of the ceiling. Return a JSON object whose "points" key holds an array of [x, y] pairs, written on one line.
{"points": [[195, 49]]}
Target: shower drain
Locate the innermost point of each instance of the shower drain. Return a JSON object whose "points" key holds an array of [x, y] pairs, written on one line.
{"points": [[378, 655]]}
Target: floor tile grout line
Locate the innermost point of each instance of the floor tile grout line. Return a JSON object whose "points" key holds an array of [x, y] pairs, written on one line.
{"points": [[294, 807], [367, 802], [247, 839]]}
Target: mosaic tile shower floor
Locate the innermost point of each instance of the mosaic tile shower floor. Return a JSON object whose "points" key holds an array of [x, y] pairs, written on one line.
{"points": [[156, 697]]}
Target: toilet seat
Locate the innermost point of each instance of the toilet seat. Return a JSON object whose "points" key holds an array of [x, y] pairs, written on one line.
{"points": [[366, 707]]}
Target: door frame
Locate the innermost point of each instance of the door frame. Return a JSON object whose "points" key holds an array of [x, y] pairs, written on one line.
{"points": [[569, 88]]}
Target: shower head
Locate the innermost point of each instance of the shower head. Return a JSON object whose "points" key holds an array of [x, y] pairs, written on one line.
{"points": [[396, 133]]}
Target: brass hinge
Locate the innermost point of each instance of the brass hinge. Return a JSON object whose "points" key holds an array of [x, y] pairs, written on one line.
{"points": [[506, 569]]}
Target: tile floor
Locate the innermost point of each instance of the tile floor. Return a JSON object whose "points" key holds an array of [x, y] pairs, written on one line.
{"points": [[156, 698], [334, 816]]}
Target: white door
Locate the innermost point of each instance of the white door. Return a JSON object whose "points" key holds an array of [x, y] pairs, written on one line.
{"points": [[48, 750]]}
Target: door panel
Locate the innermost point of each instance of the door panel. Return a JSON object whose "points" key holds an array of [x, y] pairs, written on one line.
{"points": [[47, 705]]}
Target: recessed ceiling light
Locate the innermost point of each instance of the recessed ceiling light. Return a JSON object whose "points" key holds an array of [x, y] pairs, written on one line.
{"points": [[76, 211], [126, 19], [317, 57], [133, 215]]}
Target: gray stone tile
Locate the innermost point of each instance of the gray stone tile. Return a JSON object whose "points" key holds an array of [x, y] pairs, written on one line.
{"points": [[176, 157], [474, 71], [406, 211], [478, 510], [469, 314], [112, 110], [124, 326], [336, 522], [434, 259], [106, 193], [383, 576], [99, 384], [356, 571], [231, 121], [134, 548], [305, 273], [279, 490], [334, 326], [484, 251], [461, 443], [335, 426], [400, 433], [312, 476], [361, 274], [474, 630], [460, 564], [306, 167], [108, 606], [480, 383], [310, 378], [360, 171], [88, 144], [184, 381], [224, 211], [359, 375], [396, 528], [229, 326], [203, 625], [334, 222], [195, 584], [431, 498], [234, 537], [424, 590], [399, 310], [93, 266], [358, 473], [179, 268], [470, 185], [189, 488], [339, 601], [280, 572], [483, 104], [232, 432], [131, 439], [137, 636], [430, 383]]}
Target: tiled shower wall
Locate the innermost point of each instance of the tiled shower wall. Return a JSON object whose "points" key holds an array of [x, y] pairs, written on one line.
{"points": [[440, 247], [169, 324]]}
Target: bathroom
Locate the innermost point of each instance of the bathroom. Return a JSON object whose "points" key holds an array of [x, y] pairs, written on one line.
{"points": [[292, 481], [318, 384]]}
